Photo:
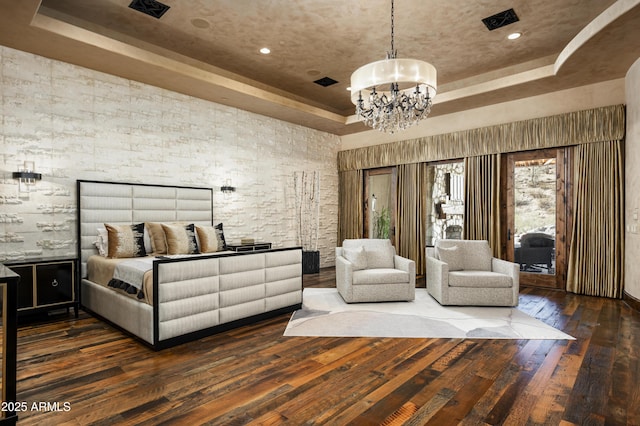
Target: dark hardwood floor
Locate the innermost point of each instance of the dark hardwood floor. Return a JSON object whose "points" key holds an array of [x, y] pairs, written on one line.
{"points": [[93, 374]]}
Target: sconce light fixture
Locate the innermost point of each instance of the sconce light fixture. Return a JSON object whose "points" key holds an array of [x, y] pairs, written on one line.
{"points": [[26, 176], [227, 188]]}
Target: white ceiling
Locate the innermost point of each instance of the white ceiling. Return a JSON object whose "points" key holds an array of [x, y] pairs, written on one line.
{"points": [[210, 48]]}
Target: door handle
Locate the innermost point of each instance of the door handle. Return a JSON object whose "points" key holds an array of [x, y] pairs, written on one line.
{"points": [[509, 234]]}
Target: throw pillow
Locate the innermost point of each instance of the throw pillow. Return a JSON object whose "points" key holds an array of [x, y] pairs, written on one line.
{"points": [[357, 257], [126, 240], [209, 239], [181, 239], [102, 242], [158, 239], [222, 243], [452, 256]]}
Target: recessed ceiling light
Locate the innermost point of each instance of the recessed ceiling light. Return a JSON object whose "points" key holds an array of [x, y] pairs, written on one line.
{"points": [[265, 50], [200, 23], [514, 36]]}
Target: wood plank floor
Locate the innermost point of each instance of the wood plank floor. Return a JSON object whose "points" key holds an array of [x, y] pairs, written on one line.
{"points": [[254, 375]]}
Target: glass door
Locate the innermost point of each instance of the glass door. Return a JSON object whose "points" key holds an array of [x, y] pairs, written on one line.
{"points": [[380, 203], [445, 201], [536, 216]]}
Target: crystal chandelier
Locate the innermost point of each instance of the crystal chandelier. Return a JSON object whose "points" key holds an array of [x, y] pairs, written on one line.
{"points": [[401, 91]]}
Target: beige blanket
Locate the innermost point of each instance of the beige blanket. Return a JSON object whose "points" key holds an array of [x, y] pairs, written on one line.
{"points": [[100, 271]]}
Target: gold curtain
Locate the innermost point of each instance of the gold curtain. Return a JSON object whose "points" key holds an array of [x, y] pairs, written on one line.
{"points": [[350, 214], [482, 200], [430, 207], [574, 128], [581, 128], [596, 254], [412, 213]]}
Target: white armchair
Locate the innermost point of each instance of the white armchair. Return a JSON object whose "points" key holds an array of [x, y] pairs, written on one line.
{"points": [[369, 270], [464, 272]]}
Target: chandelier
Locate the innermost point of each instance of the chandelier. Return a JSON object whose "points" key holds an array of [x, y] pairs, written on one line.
{"points": [[400, 94]]}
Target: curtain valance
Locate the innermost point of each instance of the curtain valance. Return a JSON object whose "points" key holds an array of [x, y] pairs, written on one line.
{"points": [[573, 128]]}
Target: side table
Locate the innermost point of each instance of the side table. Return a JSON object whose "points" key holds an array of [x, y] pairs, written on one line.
{"points": [[249, 247], [46, 284]]}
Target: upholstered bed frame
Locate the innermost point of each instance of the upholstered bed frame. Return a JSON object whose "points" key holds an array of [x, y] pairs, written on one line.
{"points": [[192, 296]]}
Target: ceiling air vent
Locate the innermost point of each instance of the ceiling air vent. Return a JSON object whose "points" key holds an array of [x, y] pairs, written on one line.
{"points": [[501, 19], [325, 81], [150, 7]]}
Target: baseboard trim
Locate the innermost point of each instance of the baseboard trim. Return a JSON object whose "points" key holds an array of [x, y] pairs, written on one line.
{"points": [[631, 301]]}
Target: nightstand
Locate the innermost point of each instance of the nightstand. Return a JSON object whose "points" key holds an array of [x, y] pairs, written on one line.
{"points": [[249, 247], [46, 284]]}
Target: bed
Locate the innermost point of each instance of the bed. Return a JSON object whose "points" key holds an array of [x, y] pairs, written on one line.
{"points": [[180, 297]]}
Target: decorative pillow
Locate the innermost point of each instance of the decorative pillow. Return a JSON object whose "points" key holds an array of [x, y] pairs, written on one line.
{"points": [[181, 239], [357, 257], [158, 239], [452, 256], [379, 253], [102, 242], [222, 243], [209, 238], [126, 240]]}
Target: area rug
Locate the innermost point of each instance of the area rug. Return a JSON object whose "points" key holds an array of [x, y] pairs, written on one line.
{"points": [[324, 313]]}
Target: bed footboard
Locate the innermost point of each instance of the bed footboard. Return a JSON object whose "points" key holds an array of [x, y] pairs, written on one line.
{"points": [[199, 296]]}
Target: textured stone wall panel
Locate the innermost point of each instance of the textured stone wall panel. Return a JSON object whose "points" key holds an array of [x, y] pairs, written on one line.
{"points": [[76, 123]]}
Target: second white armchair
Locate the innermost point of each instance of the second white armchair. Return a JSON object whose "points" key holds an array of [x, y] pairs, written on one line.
{"points": [[464, 272]]}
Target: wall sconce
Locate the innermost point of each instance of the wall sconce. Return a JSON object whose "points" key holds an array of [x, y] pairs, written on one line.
{"points": [[227, 188], [26, 176]]}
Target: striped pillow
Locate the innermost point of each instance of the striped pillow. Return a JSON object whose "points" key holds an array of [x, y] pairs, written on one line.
{"points": [[181, 239], [125, 240]]}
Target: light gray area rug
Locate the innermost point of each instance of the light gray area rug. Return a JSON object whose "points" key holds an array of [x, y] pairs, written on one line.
{"points": [[324, 313]]}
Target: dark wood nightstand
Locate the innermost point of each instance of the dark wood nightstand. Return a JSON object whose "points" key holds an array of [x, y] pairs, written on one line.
{"points": [[46, 284], [249, 247]]}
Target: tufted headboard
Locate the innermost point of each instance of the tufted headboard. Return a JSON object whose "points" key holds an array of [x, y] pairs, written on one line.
{"points": [[127, 203]]}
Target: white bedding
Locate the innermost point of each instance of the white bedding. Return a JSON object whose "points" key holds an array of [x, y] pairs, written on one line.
{"points": [[131, 271]]}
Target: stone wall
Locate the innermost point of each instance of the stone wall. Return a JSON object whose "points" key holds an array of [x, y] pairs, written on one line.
{"points": [[76, 123]]}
